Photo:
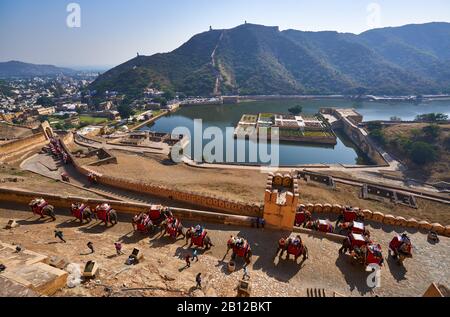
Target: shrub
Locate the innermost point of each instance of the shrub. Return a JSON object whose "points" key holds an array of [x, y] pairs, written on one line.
{"points": [[422, 153], [432, 117], [296, 110], [374, 125], [432, 132], [378, 136]]}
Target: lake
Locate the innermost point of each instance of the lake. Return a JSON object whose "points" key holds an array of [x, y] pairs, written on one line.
{"points": [[290, 154]]}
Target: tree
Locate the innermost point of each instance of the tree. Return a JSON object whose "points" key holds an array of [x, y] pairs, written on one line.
{"points": [[59, 126], [43, 118], [378, 136], [432, 117], [422, 153], [374, 125], [296, 110], [169, 95], [44, 101], [161, 100], [125, 111]]}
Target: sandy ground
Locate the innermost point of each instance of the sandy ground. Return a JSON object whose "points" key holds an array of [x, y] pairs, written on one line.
{"points": [[161, 271], [349, 195], [33, 182], [13, 132], [250, 185], [237, 185]]}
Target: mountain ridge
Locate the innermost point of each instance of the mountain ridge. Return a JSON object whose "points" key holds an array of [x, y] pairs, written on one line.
{"points": [[253, 59], [21, 69]]}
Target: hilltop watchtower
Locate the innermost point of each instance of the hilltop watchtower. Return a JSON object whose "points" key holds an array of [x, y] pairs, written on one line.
{"points": [[280, 201]]}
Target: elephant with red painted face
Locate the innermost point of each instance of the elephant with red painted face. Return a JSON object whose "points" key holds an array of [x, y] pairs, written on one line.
{"points": [[173, 227], [241, 248], [199, 237], [400, 248], [42, 208], [81, 212], [292, 246], [106, 214]]}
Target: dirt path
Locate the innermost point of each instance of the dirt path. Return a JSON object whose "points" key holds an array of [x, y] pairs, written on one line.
{"points": [[216, 91]]}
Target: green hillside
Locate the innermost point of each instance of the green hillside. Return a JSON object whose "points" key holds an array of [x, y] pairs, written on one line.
{"points": [[254, 59]]}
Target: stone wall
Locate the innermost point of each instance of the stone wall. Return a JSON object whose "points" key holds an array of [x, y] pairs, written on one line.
{"points": [[21, 144], [280, 201], [23, 197], [204, 201], [104, 157], [379, 217], [360, 139]]}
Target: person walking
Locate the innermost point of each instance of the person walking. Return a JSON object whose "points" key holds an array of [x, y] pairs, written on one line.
{"points": [[90, 245], [198, 279], [118, 247], [195, 255], [188, 260], [60, 235], [246, 275], [262, 222]]}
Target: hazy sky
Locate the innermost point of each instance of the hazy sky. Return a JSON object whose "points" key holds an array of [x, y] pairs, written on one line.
{"points": [[113, 31]]}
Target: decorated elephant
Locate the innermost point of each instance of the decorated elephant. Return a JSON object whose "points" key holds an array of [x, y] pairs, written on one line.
{"points": [[199, 237], [106, 214], [292, 246], [41, 207], [81, 212], [241, 248]]}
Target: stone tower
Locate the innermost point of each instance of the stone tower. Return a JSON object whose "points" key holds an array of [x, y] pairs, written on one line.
{"points": [[47, 130], [280, 201]]}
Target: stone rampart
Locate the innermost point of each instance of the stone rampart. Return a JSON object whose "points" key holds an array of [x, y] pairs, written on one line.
{"points": [[11, 147], [378, 217], [204, 201], [23, 197]]}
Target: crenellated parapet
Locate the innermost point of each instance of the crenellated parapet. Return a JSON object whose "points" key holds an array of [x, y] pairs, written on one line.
{"points": [[280, 201]]}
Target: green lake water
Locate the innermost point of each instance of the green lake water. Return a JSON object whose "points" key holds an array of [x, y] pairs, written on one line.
{"points": [[291, 153]]}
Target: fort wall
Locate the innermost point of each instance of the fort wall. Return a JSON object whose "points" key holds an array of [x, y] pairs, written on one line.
{"points": [[21, 144], [380, 218], [359, 137], [204, 201], [23, 197]]}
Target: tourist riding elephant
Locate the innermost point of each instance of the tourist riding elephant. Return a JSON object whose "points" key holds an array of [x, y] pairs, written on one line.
{"points": [[199, 239], [293, 247], [349, 214], [173, 227], [349, 243], [312, 225], [42, 208], [401, 248], [82, 212], [344, 228], [106, 214], [142, 223], [241, 248]]}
